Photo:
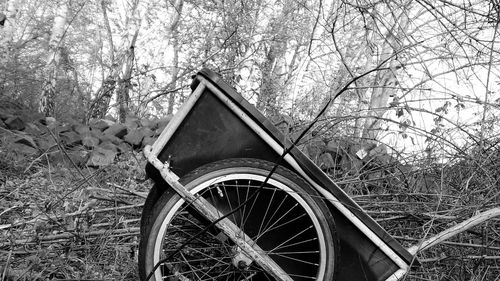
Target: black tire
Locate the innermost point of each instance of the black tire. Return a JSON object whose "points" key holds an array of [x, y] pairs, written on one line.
{"points": [[286, 217]]}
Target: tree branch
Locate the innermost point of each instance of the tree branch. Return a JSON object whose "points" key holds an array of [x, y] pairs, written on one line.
{"points": [[450, 232]]}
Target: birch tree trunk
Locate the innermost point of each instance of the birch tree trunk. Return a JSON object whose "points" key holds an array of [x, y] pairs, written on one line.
{"points": [[47, 98], [174, 40], [100, 105], [122, 56], [269, 85], [124, 84], [8, 28], [273, 65], [385, 83]]}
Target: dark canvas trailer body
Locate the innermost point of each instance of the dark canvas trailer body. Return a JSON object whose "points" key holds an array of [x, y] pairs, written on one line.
{"points": [[217, 123]]}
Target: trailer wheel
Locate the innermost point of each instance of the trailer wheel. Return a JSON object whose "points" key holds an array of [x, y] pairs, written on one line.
{"points": [[286, 217]]}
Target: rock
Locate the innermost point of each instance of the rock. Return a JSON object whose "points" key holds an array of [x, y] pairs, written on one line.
{"points": [[23, 149], [29, 116], [134, 137], [15, 123], [117, 130], [107, 145], [336, 146], [96, 133], [4, 115], [378, 150], [33, 129], [111, 138], [325, 161], [26, 140], [21, 145], [90, 141], [81, 129], [351, 164], [147, 132], [79, 157], [54, 126], [314, 148], [132, 123], [70, 138], [162, 123], [101, 124], [45, 142], [147, 123], [47, 120], [101, 157], [124, 147], [148, 140], [65, 128]]}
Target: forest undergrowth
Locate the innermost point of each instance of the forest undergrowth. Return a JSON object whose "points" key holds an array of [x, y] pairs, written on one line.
{"points": [[66, 222], [60, 222]]}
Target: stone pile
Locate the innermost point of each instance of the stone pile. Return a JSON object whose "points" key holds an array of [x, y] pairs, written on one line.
{"points": [[94, 144]]}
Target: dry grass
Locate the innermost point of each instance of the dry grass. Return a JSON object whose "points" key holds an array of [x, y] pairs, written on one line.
{"points": [[59, 222]]}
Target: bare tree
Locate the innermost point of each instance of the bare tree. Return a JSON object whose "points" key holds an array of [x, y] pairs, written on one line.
{"points": [[122, 56], [48, 95]]}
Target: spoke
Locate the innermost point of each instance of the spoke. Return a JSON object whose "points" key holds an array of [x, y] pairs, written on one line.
{"points": [[279, 219], [267, 211], [258, 269], [242, 212], [251, 207], [291, 238], [297, 260], [209, 258], [200, 270], [223, 273], [210, 190], [198, 239], [213, 267], [303, 276], [229, 203], [280, 225], [297, 243], [189, 265], [198, 225], [286, 222], [296, 252], [272, 216]]}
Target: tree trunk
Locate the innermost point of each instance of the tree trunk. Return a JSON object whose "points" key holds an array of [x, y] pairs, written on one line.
{"points": [[47, 98], [122, 60], [269, 85], [100, 105], [174, 39], [385, 82], [8, 28], [124, 84], [383, 88]]}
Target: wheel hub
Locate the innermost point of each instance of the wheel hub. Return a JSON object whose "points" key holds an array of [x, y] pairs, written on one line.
{"points": [[241, 260]]}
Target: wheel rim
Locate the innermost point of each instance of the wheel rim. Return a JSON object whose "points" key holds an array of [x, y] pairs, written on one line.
{"points": [[278, 219]]}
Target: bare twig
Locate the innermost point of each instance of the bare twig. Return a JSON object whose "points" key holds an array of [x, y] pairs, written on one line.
{"points": [[68, 235], [470, 257], [81, 212], [450, 232], [141, 195]]}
